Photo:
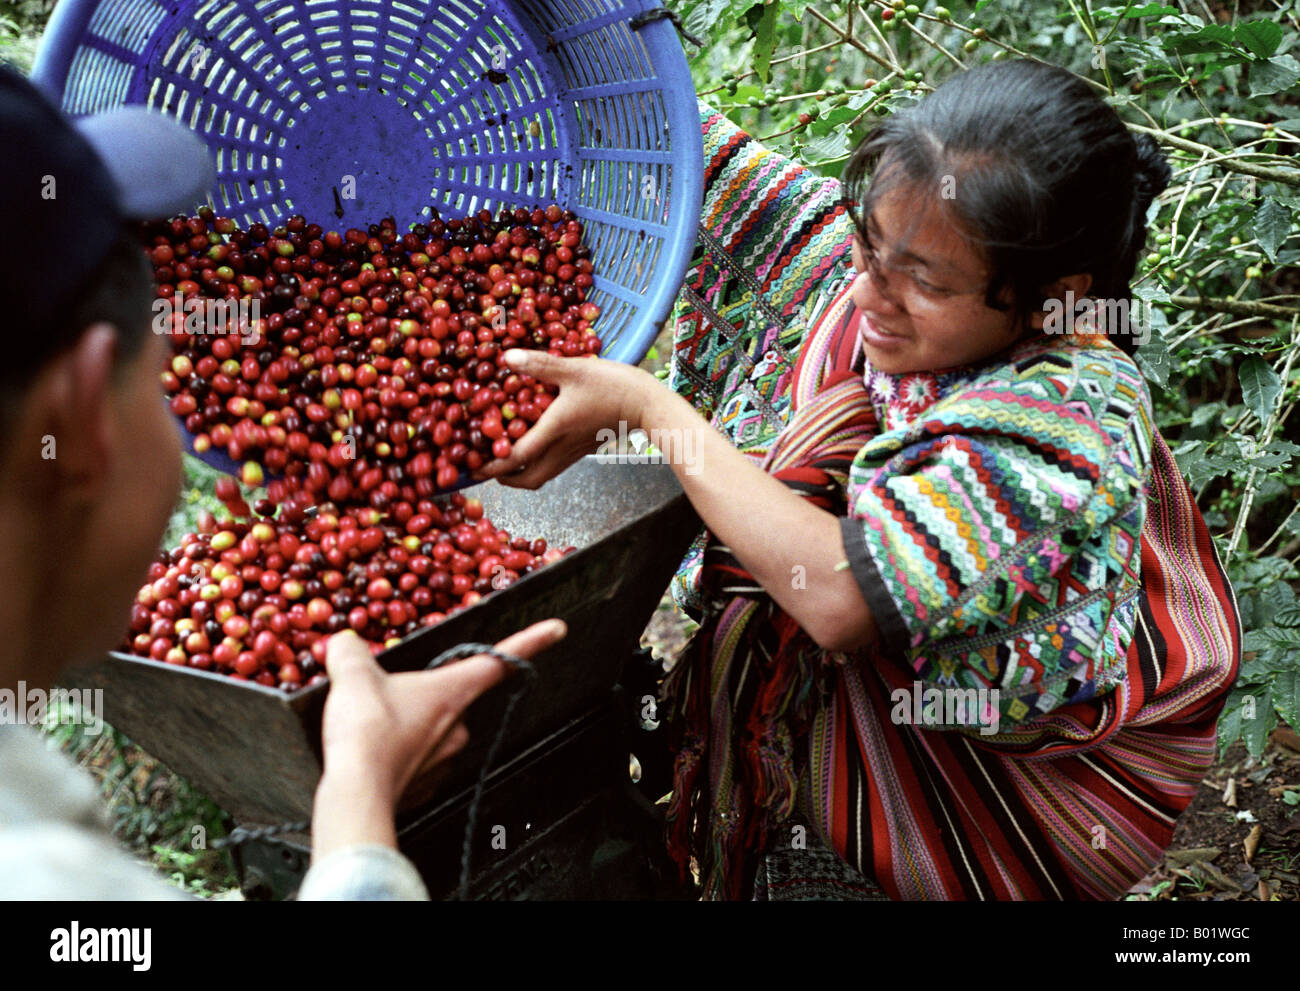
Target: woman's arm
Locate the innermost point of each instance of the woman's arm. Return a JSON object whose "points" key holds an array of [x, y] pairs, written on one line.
{"points": [[790, 546]]}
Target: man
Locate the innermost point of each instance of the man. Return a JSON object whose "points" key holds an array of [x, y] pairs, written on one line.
{"points": [[89, 471]]}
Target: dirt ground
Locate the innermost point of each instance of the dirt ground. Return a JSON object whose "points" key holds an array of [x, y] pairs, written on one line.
{"points": [[1239, 840]]}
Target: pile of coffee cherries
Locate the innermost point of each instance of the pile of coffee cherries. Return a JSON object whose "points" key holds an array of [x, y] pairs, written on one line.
{"points": [[374, 355], [363, 382], [257, 598]]}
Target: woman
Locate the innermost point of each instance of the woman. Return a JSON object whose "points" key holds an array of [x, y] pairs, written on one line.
{"points": [[916, 489]]}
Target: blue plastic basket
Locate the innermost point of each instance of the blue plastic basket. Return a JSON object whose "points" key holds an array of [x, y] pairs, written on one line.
{"points": [[388, 107]]}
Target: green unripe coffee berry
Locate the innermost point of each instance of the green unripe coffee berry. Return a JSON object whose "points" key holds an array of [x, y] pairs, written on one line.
{"points": [[943, 13], [1153, 258], [1254, 272], [971, 44]]}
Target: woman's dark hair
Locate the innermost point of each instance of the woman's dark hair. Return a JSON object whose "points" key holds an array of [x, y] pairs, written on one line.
{"points": [[1044, 178]]}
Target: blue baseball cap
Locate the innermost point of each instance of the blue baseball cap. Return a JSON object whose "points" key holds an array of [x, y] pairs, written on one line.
{"points": [[69, 188]]}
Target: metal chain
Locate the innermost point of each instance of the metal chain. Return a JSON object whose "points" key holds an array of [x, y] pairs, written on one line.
{"points": [[529, 676], [659, 13], [241, 835]]}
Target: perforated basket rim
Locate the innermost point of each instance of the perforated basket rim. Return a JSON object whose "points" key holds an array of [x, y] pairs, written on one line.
{"points": [[71, 20]]}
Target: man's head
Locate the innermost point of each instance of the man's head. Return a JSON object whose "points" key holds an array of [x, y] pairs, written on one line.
{"points": [[89, 457]]}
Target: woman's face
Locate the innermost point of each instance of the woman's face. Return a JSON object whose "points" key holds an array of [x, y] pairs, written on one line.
{"points": [[922, 307]]}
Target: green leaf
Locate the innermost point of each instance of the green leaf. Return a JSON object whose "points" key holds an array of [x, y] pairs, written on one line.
{"points": [[765, 40], [831, 146], [704, 17], [1281, 72], [1211, 38], [1283, 447], [859, 100], [1259, 386], [1230, 723], [1154, 360], [1272, 226], [796, 8], [1286, 696], [1272, 637], [1261, 37], [831, 120], [1206, 413], [1151, 293], [1256, 640], [1255, 731]]}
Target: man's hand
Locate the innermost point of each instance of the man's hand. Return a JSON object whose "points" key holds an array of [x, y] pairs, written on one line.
{"points": [[383, 731]]}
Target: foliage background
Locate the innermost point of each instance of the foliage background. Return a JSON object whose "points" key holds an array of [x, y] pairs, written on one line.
{"points": [[1214, 82]]}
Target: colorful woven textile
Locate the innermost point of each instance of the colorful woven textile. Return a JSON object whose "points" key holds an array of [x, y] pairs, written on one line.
{"points": [[1026, 545], [774, 239]]}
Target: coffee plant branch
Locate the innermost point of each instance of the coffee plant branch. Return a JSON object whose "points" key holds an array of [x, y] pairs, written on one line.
{"points": [[1265, 438]]}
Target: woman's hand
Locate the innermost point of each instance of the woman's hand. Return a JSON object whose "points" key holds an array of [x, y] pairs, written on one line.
{"points": [[594, 394], [772, 530], [383, 731]]}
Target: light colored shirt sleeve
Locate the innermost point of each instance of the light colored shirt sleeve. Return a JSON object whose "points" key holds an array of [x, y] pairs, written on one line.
{"points": [[54, 838], [363, 873], [55, 843]]}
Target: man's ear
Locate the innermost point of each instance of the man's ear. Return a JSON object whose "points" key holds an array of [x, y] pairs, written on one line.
{"points": [[1078, 284], [71, 412]]}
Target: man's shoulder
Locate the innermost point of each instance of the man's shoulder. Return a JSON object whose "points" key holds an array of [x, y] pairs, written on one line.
{"points": [[53, 840]]}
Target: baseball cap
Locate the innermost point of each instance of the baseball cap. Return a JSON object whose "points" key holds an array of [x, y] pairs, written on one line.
{"points": [[68, 188]]}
